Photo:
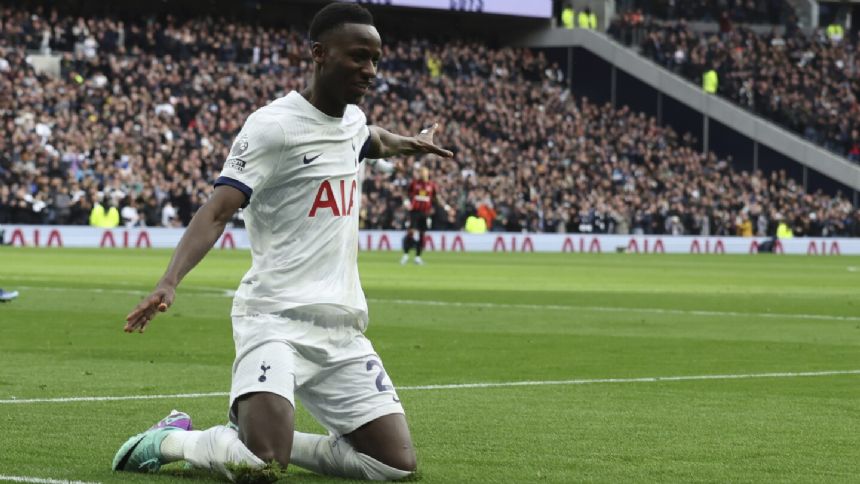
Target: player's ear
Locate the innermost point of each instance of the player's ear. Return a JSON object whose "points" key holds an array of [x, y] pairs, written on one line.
{"points": [[318, 52]]}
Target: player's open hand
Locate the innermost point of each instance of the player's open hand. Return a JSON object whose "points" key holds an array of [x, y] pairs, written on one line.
{"points": [[423, 143], [158, 300]]}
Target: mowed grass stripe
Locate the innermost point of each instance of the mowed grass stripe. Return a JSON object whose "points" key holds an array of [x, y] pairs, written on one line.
{"points": [[214, 292]]}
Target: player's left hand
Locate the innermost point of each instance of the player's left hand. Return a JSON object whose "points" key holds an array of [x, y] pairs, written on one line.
{"points": [[159, 300], [423, 143]]}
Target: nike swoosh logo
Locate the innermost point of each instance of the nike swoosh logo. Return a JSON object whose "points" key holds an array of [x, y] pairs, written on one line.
{"points": [[307, 160]]}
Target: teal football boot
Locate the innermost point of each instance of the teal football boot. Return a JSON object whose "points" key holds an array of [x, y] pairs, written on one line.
{"points": [[142, 453]]}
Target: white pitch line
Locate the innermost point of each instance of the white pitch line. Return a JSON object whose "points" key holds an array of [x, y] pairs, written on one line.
{"points": [[457, 386], [96, 290], [557, 307], [687, 312], [41, 480], [132, 292], [651, 379], [113, 399]]}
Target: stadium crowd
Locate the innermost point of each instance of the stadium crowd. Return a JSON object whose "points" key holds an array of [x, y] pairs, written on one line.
{"points": [[741, 11], [809, 83], [143, 116]]}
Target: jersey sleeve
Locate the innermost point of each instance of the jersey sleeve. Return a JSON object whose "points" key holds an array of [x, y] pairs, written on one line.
{"points": [[254, 155], [365, 145]]}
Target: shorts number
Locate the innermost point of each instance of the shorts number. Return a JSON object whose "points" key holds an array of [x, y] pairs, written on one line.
{"points": [[381, 376]]}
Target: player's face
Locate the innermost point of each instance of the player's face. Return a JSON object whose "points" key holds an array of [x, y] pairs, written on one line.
{"points": [[348, 65]]}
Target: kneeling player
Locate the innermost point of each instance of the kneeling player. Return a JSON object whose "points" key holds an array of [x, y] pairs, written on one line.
{"points": [[299, 314]]}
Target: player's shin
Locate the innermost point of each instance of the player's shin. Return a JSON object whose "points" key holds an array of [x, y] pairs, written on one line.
{"points": [[334, 456]]}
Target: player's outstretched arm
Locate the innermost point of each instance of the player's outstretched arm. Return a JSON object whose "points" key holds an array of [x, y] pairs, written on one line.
{"points": [[205, 228], [384, 143]]}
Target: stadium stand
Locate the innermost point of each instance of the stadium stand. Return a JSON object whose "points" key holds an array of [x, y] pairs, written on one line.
{"points": [[807, 83], [144, 114]]}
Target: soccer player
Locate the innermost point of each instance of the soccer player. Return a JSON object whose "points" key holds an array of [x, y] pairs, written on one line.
{"points": [[422, 193], [299, 313]]}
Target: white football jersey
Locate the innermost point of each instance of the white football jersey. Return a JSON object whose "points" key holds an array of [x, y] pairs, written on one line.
{"points": [[299, 169]]}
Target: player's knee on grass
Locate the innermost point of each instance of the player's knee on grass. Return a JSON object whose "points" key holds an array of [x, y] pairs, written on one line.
{"points": [[266, 426], [404, 460], [375, 470], [400, 457], [386, 441]]}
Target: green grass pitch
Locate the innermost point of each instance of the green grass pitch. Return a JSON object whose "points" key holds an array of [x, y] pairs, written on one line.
{"points": [[471, 318]]}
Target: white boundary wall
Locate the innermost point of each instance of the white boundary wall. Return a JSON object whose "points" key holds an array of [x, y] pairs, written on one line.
{"points": [[375, 240]]}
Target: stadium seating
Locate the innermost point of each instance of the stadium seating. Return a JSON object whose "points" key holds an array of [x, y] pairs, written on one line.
{"points": [[805, 82], [144, 114], [742, 11]]}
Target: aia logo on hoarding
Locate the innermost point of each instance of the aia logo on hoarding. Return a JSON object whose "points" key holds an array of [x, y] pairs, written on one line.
{"points": [[656, 248], [821, 248], [591, 246], [697, 248], [526, 244], [55, 238]]}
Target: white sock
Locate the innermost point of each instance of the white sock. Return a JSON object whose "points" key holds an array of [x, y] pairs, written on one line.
{"points": [[173, 445], [209, 449], [334, 456]]}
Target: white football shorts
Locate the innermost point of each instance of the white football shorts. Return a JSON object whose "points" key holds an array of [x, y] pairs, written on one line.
{"points": [[332, 369]]}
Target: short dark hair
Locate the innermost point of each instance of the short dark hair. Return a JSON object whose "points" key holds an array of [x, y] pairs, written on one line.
{"points": [[336, 14]]}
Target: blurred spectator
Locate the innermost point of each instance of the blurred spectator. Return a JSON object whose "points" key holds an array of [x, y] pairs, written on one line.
{"points": [[567, 16], [744, 225], [783, 231], [586, 19], [835, 32], [485, 211], [725, 23], [475, 224], [129, 213], [710, 81], [104, 217]]}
